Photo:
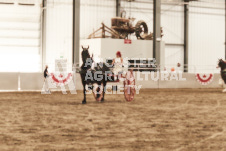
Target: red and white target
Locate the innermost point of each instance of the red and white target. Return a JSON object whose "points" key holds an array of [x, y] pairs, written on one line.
{"points": [[204, 79], [61, 79]]}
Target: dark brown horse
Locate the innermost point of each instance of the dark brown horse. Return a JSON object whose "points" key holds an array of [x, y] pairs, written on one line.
{"points": [[222, 65], [98, 75]]}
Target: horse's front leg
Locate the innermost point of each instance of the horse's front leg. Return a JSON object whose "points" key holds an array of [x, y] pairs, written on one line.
{"points": [[104, 90], [84, 93], [223, 83]]}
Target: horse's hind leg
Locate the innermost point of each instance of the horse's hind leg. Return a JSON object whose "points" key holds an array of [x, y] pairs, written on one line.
{"points": [[224, 88], [98, 92], [84, 93]]}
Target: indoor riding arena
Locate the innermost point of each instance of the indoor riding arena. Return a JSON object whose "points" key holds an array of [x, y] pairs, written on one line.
{"points": [[112, 75]]}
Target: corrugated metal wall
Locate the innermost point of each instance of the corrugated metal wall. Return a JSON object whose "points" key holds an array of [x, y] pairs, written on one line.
{"points": [[93, 13], [206, 34], [172, 20], [59, 31], [206, 31], [59, 25], [20, 36], [206, 27]]}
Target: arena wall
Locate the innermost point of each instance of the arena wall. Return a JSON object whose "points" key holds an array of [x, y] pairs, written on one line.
{"points": [[9, 81], [190, 82], [34, 82]]}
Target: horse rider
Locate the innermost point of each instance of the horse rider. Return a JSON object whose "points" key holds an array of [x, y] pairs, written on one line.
{"points": [[118, 64]]}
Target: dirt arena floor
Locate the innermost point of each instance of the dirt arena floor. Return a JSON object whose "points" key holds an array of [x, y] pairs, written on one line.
{"points": [[158, 120]]}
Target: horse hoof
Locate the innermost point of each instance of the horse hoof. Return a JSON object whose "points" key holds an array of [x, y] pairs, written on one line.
{"points": [[98, 99], [102, 100], [83, 102]]}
